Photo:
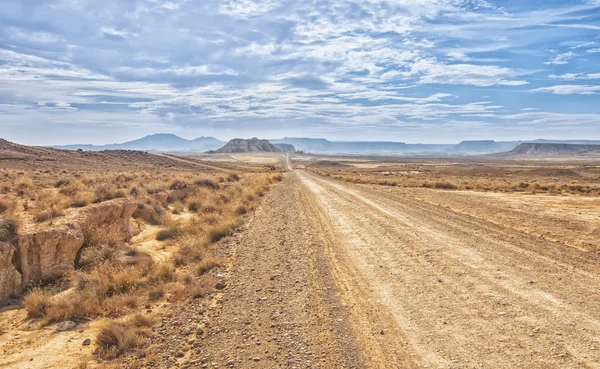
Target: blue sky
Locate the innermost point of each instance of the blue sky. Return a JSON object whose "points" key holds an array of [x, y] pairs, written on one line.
{"points": [[437, 71]]}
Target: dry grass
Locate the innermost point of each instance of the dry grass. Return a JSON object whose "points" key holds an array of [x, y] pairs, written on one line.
{"points": [[527, 178], [116, 338], [114, 279]]}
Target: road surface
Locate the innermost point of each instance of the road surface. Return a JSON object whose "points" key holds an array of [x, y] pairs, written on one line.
{"points": [[335, 275]]}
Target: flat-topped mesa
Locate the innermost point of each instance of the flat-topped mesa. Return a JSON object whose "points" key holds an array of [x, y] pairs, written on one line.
{"points": [[553, 149], [238, 145]]}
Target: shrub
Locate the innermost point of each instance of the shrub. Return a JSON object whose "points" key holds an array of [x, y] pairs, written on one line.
{"points": [[156, 293], [209, 183], [165, 234], [178, 185], [37, 304], [206, 266], [233, 177], [201, 288], [8, 230], [116, 338], [241, 210], [194, 206], [48, 206], [23, 182], [444, 185]]}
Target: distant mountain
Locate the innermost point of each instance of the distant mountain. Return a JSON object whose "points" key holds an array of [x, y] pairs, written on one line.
{"points": [[570, 142], [254, 144], [321, 145], [483, 146], [552, 150], [162, 142]]}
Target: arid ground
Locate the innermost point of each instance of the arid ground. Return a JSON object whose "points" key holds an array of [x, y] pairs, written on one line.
{"points": [[353, 263]]}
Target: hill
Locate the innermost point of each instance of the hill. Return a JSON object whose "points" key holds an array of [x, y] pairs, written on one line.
{"points": [[161, 142], [553, 150], [13, 155], [243, 145], [285, 147]]}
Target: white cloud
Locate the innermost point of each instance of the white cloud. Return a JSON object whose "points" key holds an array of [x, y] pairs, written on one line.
{"points": [[431, 71], [575, 76], [562, 58], [569, 90], [338, 63]]}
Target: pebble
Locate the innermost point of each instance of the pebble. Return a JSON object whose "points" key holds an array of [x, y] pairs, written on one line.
{"points": [[87, 342]]}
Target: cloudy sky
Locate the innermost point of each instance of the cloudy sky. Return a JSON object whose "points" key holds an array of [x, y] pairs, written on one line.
{"points": [[88, 71]]}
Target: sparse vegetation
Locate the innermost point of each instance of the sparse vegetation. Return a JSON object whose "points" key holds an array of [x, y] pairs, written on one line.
{"points": [[472, 177], [115, 277]]}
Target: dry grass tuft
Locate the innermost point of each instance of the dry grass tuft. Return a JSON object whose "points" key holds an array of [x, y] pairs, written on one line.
{"points": [[116, 338], [206, 266], [37, 304]]}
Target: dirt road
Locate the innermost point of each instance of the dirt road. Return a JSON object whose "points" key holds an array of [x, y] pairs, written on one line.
{"points": [[334, 275]]}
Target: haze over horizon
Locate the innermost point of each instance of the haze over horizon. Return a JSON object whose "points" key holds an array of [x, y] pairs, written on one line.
{"points": [[393, 70]]}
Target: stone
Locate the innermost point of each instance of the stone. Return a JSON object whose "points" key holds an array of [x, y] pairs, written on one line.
{"points": [[66, 326], [87, 342]]}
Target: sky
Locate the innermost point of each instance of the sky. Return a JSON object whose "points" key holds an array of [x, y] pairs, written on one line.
{"points": [[433, 71]]}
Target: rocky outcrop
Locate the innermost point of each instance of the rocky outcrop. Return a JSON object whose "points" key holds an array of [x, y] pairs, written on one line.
{"points": [[10, 278], [45, 254], [42, 252], [238, 145]]}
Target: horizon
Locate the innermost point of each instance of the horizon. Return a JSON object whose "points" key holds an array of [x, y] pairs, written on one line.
{"points": [[310, 138], [415, 72]]}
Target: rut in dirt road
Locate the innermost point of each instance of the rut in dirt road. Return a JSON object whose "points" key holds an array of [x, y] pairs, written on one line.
{"points": [[461, 292]]}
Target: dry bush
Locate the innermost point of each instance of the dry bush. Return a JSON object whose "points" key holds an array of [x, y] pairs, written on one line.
{"points": [[208, 183], [201, 288], [49, 206], [191, 249], [116, 338], [233, 177], [36, 303], [156, 292], [217, 232], [8, 229], [206, 266], [444, 185], [23, 183], [101, 243]]}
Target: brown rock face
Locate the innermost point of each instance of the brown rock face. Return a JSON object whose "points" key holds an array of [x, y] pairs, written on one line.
{"points": [[43, 252], [10, 278], [44, 255]]}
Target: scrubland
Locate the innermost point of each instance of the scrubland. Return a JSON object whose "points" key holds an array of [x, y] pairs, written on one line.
{"points": [[548, 178], [120, 276]]}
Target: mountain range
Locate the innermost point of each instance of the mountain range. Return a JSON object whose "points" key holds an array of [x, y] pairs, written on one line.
{"points": [[172, 143], [162, 142]]}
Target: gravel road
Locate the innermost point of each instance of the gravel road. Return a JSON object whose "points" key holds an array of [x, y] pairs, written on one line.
{"points": [[334, 275]]}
